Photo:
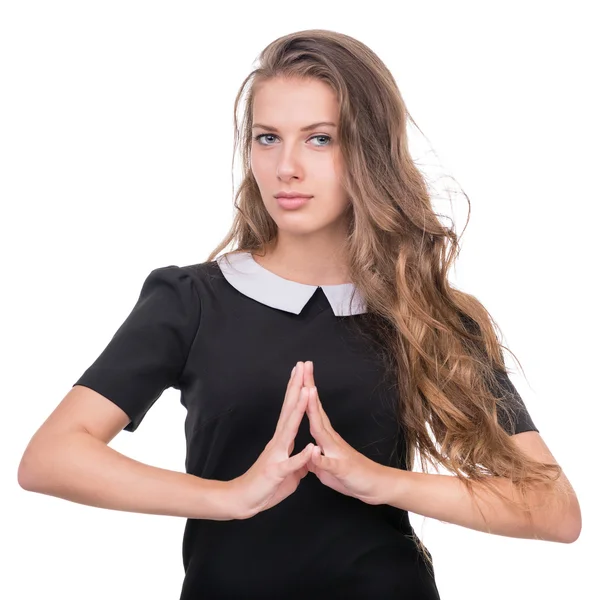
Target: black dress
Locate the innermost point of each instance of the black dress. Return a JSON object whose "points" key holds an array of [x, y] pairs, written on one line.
{"points": [[227, 334]]}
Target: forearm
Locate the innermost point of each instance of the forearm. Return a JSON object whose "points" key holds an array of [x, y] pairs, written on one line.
{"points": [[446, 498], [83, 469]]}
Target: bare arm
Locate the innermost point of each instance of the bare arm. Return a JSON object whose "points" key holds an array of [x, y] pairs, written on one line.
{"points": [[445, 497], [78, 467], [65, 460]]}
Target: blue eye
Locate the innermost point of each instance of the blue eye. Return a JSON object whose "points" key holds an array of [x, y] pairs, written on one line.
{"points": [[260, 136], [328, 138]]}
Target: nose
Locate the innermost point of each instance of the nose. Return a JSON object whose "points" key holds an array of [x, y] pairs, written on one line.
{"points": [[288, 165]]}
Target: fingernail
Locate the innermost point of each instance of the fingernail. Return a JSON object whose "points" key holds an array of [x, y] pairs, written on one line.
{"points": [[293, 371]]}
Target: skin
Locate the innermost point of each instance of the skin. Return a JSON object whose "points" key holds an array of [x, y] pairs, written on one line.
{"points": [[285, 158]]}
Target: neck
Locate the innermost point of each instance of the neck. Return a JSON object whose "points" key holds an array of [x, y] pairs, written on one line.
{"points": [[318, 262]]}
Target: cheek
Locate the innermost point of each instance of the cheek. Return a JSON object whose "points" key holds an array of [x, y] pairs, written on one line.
{"points": [[259, 166], [331, 172], [254, 166], [338, 206], [331, 184]]}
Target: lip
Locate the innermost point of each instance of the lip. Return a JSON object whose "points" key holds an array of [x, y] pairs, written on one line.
{"points": [[292, 202], [284, 194]]}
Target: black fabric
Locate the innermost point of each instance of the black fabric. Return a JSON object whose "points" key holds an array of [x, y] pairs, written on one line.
{"points": [[231, 357], [513, 415], [149, 350]]}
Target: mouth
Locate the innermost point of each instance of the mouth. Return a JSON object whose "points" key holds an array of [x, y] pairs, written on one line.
{"points": [[293, 202]]}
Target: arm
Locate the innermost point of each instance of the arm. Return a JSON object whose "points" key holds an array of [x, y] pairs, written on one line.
{"points": [[69, 458], [446, 498], [443, 497], [80, 468]]}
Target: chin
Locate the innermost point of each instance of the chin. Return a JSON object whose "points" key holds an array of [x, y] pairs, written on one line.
{"points": [[306, 227]]}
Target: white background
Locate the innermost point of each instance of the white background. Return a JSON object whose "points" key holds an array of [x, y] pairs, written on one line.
{"points": [[115, 158]]}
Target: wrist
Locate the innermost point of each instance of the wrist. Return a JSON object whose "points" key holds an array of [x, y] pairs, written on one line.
{"points": [[393, 481], [234, 501], [216, 500]]}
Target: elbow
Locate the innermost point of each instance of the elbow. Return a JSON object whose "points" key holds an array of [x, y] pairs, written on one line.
{"points": [[28, 471], [38, 463], [564, 520], [570, 536], [562, 526], [573, 532], [23, 475], [571, 524]]}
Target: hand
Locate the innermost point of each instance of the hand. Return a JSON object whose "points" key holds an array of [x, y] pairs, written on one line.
{"points": [[274, 475], [343, 468]]}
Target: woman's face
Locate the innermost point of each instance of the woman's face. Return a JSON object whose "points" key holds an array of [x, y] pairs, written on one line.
{"points": [[288, 156]]}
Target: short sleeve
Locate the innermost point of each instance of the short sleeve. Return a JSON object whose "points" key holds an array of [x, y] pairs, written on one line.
{"points": [[513, 415], [148, 352]]}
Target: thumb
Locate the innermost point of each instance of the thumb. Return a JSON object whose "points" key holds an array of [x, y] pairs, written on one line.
{"points": [[320, 461], [297, 461]]}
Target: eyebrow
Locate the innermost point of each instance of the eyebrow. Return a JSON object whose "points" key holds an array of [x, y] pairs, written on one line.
{"points": [[307, 128]]}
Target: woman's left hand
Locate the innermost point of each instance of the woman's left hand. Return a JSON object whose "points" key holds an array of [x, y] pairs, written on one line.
{"points": [[342, 468]]}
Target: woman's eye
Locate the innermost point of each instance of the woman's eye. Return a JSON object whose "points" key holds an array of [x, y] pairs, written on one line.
{"points": [[262, 136], [259, 137], [321, 136]]}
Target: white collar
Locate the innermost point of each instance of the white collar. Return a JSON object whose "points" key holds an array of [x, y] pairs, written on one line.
{"points": [[258, 283]]}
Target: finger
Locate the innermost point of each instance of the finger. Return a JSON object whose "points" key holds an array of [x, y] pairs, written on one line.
{"points": [[319, 461], [309, 381], [292, 464], [317, 427], [315, 401], [291, 393], [309, 373], [293, 375], [288, 429], [324, 417]]}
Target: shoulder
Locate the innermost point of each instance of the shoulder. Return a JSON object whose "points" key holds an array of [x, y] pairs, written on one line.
{"points": [[191, 276], [205, 280], [201, 271]]}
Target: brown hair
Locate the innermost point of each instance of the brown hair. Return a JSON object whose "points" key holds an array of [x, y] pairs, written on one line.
{"points": [[441, 341]]}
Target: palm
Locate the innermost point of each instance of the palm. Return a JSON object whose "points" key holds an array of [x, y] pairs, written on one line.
{"points": [[330, 481], [287, 487]]}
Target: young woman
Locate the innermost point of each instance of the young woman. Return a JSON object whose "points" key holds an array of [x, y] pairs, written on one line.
{"points": [[339, 272]]}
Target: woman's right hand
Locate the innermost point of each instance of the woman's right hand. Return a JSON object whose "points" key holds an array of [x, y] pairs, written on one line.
{"points": [[275, 475]]}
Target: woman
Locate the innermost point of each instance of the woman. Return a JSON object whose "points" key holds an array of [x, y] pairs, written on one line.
{"points": [[340, 271]]}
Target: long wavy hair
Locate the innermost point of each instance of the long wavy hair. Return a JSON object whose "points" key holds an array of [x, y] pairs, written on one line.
{"points": [[441, 341]]}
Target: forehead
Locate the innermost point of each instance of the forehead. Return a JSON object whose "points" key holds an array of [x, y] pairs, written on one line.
{"points": [[293, 102]]}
